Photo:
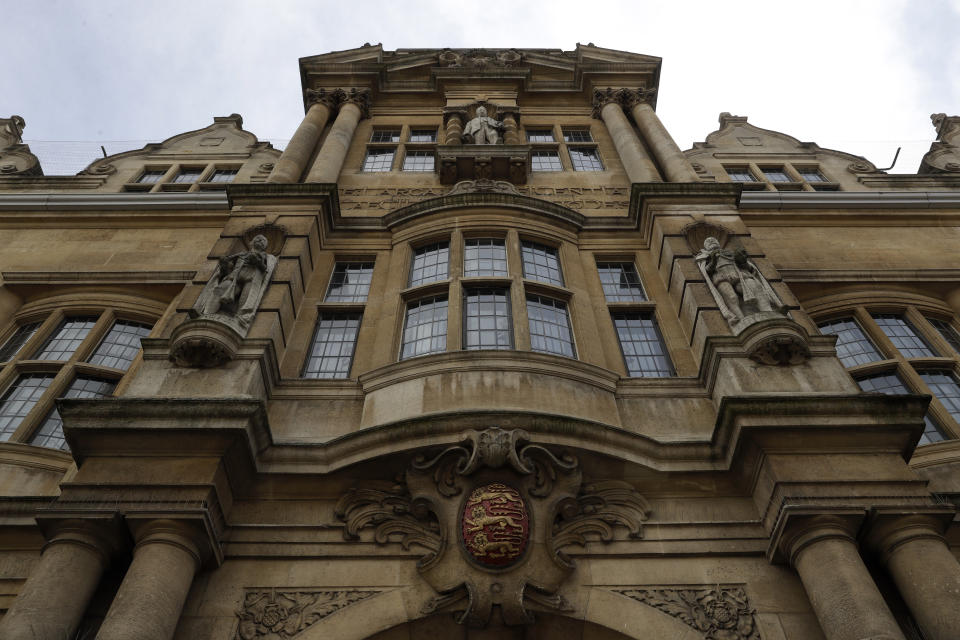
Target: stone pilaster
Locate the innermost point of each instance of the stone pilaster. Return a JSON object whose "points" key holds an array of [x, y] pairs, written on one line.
{"points": [[636, 163], [511, 130], [150, 599], [329, 161], [52, 602], [453, 127], [294, 160], [926, 573], [675, 165]]}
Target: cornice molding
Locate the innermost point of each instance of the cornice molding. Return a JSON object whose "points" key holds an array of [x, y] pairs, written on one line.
{"points": [[781, 200], [216, 200]]}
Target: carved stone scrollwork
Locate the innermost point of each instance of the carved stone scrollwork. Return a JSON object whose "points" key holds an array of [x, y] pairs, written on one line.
{"points": [[501, 499], [480, 58], [720, 612], [279, 613], [483, 186]]}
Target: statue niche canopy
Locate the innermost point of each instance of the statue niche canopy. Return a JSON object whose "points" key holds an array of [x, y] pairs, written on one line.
{"points": [[482, 142]]}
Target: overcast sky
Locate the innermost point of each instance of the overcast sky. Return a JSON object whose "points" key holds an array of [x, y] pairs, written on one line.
{"points": [[863, 77]]}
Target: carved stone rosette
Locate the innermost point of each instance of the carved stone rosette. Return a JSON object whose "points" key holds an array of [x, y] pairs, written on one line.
{"points": [[719, 612], [274, 613], [494, 514]]}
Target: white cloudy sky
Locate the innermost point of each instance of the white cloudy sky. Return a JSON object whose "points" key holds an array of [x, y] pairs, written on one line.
{"points": [[862, 76]]}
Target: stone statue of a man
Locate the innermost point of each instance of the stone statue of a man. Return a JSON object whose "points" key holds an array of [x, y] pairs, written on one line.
{"points": [[736, 282], [482, 129], [234, 292]]}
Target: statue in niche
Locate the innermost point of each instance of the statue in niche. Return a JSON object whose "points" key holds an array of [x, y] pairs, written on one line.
{"points": [[742, 293], [233, 294], [482, 129]]}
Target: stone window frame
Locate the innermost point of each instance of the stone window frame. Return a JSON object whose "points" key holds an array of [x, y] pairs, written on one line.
{"points": [[791, 169], [893, 361], [402, 144], [51, 313], [408, 145], [583, 145], [170, 171]]}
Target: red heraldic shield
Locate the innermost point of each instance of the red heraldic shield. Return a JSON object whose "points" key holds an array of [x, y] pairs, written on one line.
{"points": [[495, 525]]}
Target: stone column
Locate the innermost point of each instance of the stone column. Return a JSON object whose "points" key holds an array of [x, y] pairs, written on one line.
{"points": [[659, 140], [453, 127], [511, 132], [639, 168], [294, 159], [844, 597], [52, 601], [329, 161], [150, 599], [925, 571]]}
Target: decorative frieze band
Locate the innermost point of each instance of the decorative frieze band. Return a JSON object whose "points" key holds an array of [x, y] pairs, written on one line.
{"points": [[283, 612], [719, 612]]}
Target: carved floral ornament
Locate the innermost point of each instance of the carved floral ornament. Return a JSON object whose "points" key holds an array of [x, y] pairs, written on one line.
{"points": [[626, 98], [719, 613], [494, 514], [275, 614], [335, 98], [480, 58]]}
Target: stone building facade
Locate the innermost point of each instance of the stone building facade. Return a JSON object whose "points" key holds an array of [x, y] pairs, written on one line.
{"points": [[481, 354]]}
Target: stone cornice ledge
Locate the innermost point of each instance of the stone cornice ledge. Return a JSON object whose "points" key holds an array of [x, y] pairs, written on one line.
{"points": [[216, 200], [782, 200]]}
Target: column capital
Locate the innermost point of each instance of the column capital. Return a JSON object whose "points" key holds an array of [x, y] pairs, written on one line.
{"points": [[334, 99], [623, 96], [190, 534], [103, 535], [798, 528], [888, 529]]}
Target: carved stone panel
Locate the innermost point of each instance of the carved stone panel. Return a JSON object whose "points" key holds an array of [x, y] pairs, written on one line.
{"points": [[719, 612], [283, 612]]}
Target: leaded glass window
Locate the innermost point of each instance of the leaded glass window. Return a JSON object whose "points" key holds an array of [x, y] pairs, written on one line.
{"points": [[585, 159], [577, 135], [540, 135], [19, 338], [50, 433], [423, 135], [378, 160], [385, 135], [853, 346], [151, 176], [484, 257], [350, 282], [425, 329], [903, 336], [430, 263], [421, 161], [943, 327], [121, 345], [811, 175], [944, 386], [541, 263], [19, 399], [66, 339], [621, 282], [891, 384], [740, 174], [333, 345], [642, 345], [223, 175], [487, 320], [776, 174], [187, 176], [545, 160], [550, 326]]}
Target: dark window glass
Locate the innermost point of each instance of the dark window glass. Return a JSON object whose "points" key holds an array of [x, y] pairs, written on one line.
{"points": [[891, 384], [186, 176], [540, 262], [484, 257], [378, 160], [151, 176], [50, 433], [19, 338], [812, 175], [425, 329], [945, 328], [577, 135], [334, 341], [943, 385], [423, 135], [385, 135], [621, 283], [223, 175], [549, 326], [585, 159], [430, 263], [853, 346], [540, 135], [350, 282], [422, 161], [740, 174], [19, 399], [487, 321], [121, 344], [902, 335], [66, 339], [642, 345], [777, 174], [545, 160]]}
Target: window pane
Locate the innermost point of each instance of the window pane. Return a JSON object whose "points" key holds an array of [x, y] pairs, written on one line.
{"points": [[385, 135], [811, 175], [121, 344], [642, 345], [430, 263], [19, 399], [903, 336], [334, 341], [484, 257], [487, 320], [51, 431], [853, 346], [223, 175], [151, 176], [418, 161], [549, 326], [540, 262], [425, 329], [19, 338], [66, 339], [187, 176], [777, 175], [540, 135], [423, 135], [350, 282], [891, 384], [378, 160], [621, 283], [740, 174], [577, 135], [585, 160], [945, 328], [545, 160], [944, 386]]}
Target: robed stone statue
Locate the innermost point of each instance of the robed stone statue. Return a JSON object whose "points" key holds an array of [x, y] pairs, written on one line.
{"points": [[233, 294], [482, 129]]}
